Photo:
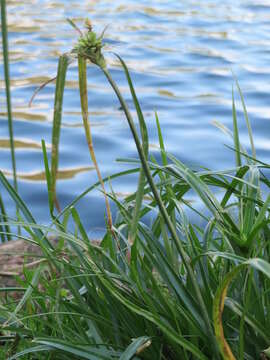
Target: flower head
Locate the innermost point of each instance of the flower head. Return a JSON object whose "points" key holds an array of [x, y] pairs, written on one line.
{"points": [[90, 45]]}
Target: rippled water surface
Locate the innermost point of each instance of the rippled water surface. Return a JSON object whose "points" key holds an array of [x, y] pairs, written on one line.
{"points": [[181, 55]]}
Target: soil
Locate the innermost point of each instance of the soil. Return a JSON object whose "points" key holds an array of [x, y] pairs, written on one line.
{"points": [[13, 256]]}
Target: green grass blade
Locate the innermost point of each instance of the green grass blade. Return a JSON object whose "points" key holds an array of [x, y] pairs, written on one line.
{"points": [[161, 142], [145, 146], [95, 186], [7, 87], [48, 178], [25, 211], [8, 95], [85, 352], [136, 347], [247, 120], [259, 222], [250, 206], [4, 218], [236, 134], [57, 118], [88, 135], [34, 349], [25, 297]]}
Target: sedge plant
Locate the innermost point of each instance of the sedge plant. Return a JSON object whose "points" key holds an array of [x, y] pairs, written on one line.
{"points": [[169, 289]]}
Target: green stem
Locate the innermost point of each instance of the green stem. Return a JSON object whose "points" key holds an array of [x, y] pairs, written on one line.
{"points": [[8, 96], [87, 129], [161, 206], [5, 219], [137, 209]]}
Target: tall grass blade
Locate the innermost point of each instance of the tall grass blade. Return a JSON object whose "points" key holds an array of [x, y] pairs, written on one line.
{"points": [[57, 118], [145, 146], [250, 206], [8, 95], [236, 134], [48, 177], [247, 120], [87, 129]]}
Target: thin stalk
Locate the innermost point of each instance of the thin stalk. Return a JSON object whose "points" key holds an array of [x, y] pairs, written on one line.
{"points": [[5, 219], [87, 129], [137, 209], [145, 145], [57, 118], [8, 96], [161, 206]]}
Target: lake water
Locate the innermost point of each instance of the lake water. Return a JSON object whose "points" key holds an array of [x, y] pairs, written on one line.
{"points": [[181, 55]]}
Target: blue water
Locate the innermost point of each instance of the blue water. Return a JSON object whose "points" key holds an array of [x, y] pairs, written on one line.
{"points": [[181, 55]]}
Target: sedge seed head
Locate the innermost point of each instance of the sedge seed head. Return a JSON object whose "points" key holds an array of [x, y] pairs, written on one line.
{"points": [[90, 46]]}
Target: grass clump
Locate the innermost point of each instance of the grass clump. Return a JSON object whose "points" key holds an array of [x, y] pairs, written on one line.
{"points": [[171, 289]]}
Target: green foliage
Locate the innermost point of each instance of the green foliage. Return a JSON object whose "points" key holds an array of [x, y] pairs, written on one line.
{"points": [[181, 289]]}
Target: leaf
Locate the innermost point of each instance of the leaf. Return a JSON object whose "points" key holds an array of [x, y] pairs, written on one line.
{"points": [[247, 120], [57, 118], [145, 146], [136, 347], [86, 352], [35, 349], [236, 134]]}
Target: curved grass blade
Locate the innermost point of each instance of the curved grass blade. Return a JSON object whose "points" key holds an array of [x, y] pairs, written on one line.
{"points": [[39, 89], [34, 349], [94, 186], [85, 352]]}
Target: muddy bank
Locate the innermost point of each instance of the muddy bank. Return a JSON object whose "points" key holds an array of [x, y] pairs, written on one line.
{"points": [[16, 254]]}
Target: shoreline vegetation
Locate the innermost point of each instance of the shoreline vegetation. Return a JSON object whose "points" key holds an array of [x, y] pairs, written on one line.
{"points": [[168, 290]]}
